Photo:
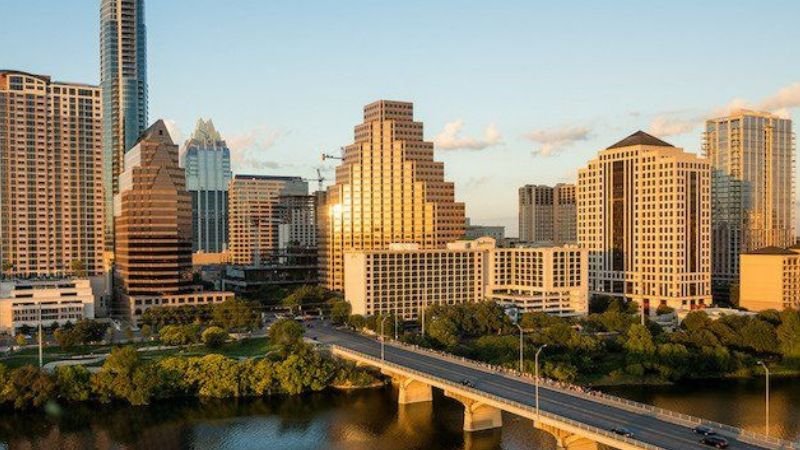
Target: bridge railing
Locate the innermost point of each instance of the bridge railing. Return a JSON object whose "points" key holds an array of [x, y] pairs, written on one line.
{"points": [[503, 400], [574, 390]]}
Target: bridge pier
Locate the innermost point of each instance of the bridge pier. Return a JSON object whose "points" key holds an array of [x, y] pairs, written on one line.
{"points": [[566, 440], [478, 416], [410, 390]]}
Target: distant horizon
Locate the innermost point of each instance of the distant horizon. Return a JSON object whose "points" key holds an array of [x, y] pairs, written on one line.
{"points": [[529, 91]]}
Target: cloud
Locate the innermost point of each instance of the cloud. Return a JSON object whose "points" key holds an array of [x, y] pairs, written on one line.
{"points": [[780, 103], [248, 148], [451, 139], [476, 182], [555, 140], [671, 125]]}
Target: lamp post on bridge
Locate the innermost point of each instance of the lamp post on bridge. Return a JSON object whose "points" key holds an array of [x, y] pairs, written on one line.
{"points": [[521, 347], [383, 338], [766, 372], [536, 378]]}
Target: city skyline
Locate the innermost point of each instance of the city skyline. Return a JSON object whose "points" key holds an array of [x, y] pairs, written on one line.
{"points": [[553, 104]]}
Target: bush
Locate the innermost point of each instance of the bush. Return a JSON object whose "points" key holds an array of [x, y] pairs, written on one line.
{"points": [[214, 337], [27, 387]]}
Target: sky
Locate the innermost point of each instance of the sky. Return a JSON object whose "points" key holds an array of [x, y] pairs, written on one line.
{"points": [[511, 92]]}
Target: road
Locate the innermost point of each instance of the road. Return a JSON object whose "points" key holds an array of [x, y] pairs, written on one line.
{"points": [[647, 428]]}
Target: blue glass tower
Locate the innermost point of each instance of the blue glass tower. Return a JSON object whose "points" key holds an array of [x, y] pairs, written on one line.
{"points": [[123, 78], [207, 161]]}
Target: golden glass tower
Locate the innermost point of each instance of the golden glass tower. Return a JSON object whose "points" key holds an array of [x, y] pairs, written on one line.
{"points": [[388, 189]]}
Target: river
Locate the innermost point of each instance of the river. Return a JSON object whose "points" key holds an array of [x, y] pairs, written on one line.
{"points": [[368, 419]]}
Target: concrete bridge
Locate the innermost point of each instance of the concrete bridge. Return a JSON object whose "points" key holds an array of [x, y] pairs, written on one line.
{"points": [[577, 420]]}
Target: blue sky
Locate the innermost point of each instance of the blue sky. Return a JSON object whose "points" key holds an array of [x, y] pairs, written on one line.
{"points": [[513, 92]]}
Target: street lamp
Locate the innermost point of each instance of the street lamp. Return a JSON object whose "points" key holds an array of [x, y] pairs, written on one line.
{"points": [[521, 346], [395, 327], [536, 359], [383, 338], [766, 372]]}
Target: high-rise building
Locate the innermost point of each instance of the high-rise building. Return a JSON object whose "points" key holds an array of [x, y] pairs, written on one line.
{"points": [[388, 189], [153, 214], [123, 79], [207, 161], [644, 216], [51, 192], [405, 280], [298, 221], [255, 215], [752, 181], [547, 214]]}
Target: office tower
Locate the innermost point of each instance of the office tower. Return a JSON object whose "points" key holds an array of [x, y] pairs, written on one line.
{"points": [[123, 79], [254, 215], [51, 192], [405, 279], [388, 189], [153, 218], [547, 214], [207, 162], [298, 225], [752, 161], [644, 216]]}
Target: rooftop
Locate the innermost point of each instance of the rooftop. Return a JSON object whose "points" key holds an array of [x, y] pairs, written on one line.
{"points": [[641, 138], [771, 251]]}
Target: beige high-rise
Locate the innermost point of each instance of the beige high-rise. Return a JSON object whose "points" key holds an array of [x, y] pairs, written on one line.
{"points": [[644, 216], [547, 214], [255, 215], [51, 169], [388, 190]]}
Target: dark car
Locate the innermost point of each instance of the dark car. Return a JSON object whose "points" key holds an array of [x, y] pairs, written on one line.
{"points": [[622, 431], [704, 430], [467, 383], [715, 441]]}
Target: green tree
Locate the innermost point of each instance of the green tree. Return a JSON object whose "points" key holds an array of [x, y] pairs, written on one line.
{"points": [[178, 334], [759, 336], [340, 311], [236, 315], [146, 331], [639, 343], [304, 369], [356, 322], [78, 267], [258, 377], [304, 295], [285, 334], [125, 376], [27, 387], [66, 338], [695, 320], [73, 383], [215, 376], [7, 266], [789, 336], [20, 340], [444, 331], [214, 337]]}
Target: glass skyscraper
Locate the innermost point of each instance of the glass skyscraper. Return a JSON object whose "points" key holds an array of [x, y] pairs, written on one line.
{"points": [[123, 79], [207, 161], [752, 162]]}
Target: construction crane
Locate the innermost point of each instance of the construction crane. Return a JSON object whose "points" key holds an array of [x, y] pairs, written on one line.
{"points": [[319, 179], [327, 156]]}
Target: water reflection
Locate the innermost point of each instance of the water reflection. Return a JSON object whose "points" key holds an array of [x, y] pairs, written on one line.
{"points": [[358, 420]]}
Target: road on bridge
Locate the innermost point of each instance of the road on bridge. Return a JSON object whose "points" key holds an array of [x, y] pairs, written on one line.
{"points": [[647, 428]]}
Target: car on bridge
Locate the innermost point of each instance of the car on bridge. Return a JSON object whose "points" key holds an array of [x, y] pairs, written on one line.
{"points": [[622, 431], [715, 441], [704, 430]]}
